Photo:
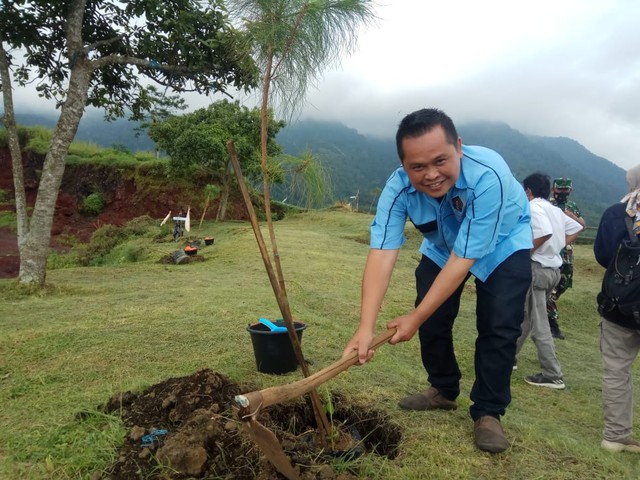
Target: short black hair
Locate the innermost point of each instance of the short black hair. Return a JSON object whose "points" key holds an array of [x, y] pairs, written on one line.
{"points": [[539, 184], [422, 121]]}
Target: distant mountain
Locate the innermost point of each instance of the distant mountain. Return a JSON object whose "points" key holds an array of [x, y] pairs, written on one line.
{"points": [[359, 165], [597, 182]]}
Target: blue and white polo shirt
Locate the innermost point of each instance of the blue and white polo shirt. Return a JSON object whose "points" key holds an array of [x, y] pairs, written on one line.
{"points": [[485, 216]]}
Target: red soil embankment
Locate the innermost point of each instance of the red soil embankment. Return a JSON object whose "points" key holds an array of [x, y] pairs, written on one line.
{"points": [[125, 199]]}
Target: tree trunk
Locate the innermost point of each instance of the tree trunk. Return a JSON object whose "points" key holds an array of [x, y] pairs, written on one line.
{"points": [[14, 146], [224, 194], [34, 245], [224, 202]]}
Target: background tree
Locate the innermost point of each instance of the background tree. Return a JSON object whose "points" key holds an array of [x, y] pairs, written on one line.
{"points": [[84, 53], [198, 140], [307, 182], [160, 107], [212, 191]]}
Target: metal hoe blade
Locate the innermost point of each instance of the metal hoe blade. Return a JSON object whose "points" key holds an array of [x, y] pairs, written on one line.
{"points": [[270, 446]]}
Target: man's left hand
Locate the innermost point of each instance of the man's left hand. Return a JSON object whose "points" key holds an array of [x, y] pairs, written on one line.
{"points": [[406, 325]]}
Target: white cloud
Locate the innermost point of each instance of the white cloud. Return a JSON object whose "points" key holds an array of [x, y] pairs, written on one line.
{"points": [[567, 68], [558, 68]]}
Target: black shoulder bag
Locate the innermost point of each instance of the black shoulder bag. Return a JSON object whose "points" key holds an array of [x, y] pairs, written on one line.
{"points": [[621, 282]]}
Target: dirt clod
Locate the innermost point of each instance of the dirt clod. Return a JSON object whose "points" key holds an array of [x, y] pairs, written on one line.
{"points": [[187, 427]]}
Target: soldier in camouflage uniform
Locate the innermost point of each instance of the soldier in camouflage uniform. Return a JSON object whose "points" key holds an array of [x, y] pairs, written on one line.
{"points": [[560, 197]]}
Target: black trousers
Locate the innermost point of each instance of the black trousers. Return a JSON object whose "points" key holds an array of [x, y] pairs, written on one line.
{"points": [[499, 315]]}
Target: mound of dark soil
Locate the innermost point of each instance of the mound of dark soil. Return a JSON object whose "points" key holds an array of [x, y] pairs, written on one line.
{"points": [[188, 427]]}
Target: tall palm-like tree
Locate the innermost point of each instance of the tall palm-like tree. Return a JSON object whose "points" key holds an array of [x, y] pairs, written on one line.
{"points": [[293, 41]]}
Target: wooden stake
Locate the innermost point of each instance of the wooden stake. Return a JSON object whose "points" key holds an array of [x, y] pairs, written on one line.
{"points": [[278, 289]]}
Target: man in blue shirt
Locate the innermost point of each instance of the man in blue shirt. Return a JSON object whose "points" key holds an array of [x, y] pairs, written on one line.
{"points": [[474, 217]]}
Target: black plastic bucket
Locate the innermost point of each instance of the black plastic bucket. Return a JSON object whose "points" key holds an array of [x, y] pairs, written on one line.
{"points": [[178, 257], [273, 350]]}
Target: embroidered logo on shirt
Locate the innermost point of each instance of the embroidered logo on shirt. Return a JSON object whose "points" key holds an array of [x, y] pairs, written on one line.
{"points": [[458, 207]]}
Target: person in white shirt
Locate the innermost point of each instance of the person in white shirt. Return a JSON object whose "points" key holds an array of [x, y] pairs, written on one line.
{"points": [[552, 230]]}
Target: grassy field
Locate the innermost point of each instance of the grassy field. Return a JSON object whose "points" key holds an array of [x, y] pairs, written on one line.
{"points": [[97, 331]]}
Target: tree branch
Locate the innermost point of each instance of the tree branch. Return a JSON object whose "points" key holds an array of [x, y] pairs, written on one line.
{"points": [[95, 45], [141, 62]]}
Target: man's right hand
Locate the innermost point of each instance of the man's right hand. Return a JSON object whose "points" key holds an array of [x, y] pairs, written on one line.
{"points": [[361, 343]]}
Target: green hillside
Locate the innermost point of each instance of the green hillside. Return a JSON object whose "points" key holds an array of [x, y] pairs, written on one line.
{"points": [[359, 165], [597, 182]]}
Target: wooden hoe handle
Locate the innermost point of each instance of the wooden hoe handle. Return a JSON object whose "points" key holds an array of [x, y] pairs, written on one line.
{"points": [[251, 402]]}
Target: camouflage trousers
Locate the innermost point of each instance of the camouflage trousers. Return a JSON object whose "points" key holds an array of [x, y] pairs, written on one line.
{"points": [[566, 281]]}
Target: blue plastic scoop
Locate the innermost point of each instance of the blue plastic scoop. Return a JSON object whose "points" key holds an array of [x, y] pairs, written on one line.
{"points": [[272, 326]]}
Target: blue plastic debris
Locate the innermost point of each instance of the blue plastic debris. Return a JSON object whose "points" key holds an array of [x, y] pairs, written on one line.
{"points": [[148, 440]]}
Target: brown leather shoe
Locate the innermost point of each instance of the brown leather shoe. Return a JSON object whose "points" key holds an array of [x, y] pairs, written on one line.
{"points": [[489, 435], [430, 399]]}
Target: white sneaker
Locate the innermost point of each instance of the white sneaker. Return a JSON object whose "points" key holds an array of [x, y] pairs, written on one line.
{"points": [[625, 445]]}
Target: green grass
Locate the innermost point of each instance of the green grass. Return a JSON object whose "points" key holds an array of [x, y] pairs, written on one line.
{"points": [[96, 331], [8, 220]]}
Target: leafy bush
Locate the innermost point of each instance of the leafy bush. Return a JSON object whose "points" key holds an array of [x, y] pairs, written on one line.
{"points": [[134, 254], [4, 196], [39, 139], [102, 242], [84, 149], [107, 245], [57, 260], [140, 226], [67, 240], [145, 156], [125, 253], [34, 138], [120, 148], [163, 232], [94, 203], [8, 220], [23, 137]]}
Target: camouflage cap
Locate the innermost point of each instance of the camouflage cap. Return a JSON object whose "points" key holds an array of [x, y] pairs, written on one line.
{"points": [[562, 183]]}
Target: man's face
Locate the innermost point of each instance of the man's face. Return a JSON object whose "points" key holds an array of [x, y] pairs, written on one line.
{"points": [[561, 194], [432, 164]]}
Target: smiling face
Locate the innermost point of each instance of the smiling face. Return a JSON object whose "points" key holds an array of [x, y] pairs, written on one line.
{"points": [[431, 162]]}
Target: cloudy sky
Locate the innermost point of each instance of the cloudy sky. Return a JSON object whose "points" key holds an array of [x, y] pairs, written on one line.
{"points": [[566, 68], [551, 67]]}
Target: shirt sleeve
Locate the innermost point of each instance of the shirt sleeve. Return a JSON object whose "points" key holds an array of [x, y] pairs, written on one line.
{"points": [[387, 228], [571, 226], [540, 223]]}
